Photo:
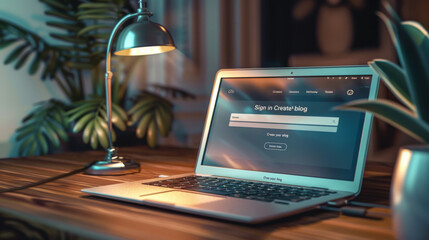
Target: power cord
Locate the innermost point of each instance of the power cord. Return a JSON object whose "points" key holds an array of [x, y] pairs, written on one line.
{"points": [[76, 171], [357, 209]]}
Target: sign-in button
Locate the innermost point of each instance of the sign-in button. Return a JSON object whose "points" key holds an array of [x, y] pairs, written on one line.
{"points": [[275, 146]]}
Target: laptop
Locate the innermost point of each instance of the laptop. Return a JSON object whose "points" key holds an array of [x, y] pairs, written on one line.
{"points": [[273, 145]]}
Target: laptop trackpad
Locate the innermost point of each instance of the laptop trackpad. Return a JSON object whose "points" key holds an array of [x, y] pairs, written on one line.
{"points": [[181, 198]]}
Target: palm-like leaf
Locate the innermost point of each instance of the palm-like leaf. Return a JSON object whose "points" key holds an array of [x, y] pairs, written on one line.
{"points": [[43, 129], [30, 43], [394, 114], [103, 15], [84, 27], [89, 117], [78, 55], [42, 54], [151, 114]]}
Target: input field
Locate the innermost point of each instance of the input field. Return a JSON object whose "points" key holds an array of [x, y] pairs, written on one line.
{"points": [[296, 127], [285, 119]]}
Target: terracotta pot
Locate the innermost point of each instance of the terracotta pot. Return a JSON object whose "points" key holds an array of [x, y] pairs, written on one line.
{"points": [[410, 193]]}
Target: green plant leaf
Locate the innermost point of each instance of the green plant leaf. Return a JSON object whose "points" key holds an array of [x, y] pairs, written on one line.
{"points": [[420, 36], [7, 43], [144, 108], [416, 31], [71, 49], [94, 139], [41, 141], [79, 65], [25, 144], [43, 128], [68, 38], [32, 150], [89, 116], [64, 26], [92, 28], [96, 5], [88, 132], [152, 137], [45, 53], [141, 103], [393, 114], [96, 11], [150, 114], [24, 131], [166, 113], [83, 122], [119, 123], [99, 44], [414, 63], [78, 111], [21, 61], [58, 128], [34, 65], [143, 125], [395, 79], [56, 4], [96, 17], [151, 109], [53, 137], [51, 66], [101, 132], [60, 15], [161, 122], [15, 53], [120, 112]]}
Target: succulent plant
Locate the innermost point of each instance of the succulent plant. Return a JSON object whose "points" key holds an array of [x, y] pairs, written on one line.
{"points": [[408, 82]]}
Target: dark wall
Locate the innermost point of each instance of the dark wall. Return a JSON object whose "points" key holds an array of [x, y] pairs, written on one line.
{"points": [[282, 35]]}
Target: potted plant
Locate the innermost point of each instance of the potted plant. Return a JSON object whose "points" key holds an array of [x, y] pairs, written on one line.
{"points": [[410, 84], [83, 27]]}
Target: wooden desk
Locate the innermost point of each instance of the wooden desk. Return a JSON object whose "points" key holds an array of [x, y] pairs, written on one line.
{"points": [[70, 214]]}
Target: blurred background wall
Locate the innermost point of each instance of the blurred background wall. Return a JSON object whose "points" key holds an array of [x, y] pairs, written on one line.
{"points": [[213, 34]]}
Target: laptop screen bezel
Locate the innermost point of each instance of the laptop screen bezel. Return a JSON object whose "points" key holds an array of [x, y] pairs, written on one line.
{"points": [[340, 185]]}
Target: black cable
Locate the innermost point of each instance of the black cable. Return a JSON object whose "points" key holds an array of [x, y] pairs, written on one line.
{"points": [[362, 204], [360, 210], [48, 179]]}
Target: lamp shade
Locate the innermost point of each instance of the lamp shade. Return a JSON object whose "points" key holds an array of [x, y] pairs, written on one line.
{"points": [[143, 38]]}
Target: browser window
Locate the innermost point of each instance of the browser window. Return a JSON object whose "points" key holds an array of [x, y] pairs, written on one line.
{"points": [[288, 125]]}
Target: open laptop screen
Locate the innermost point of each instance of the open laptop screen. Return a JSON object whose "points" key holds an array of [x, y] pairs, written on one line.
{"points": [[287, 125]]}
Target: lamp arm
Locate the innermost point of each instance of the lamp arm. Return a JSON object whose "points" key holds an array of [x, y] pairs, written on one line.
{"points": [[108, 78]]}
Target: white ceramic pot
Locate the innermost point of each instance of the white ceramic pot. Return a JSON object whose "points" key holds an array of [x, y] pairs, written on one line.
{"points": [[410, 193]]}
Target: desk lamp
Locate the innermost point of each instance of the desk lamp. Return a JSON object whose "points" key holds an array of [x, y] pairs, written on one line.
{"points": [[142, 37]]}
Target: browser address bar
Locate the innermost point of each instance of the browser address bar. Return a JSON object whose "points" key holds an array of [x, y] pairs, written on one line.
{"points": [[287, 122]]}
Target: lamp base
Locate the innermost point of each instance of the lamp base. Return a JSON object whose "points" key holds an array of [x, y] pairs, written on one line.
{"points": [[113, 165]]}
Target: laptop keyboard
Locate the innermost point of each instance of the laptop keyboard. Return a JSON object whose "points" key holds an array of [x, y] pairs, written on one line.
{"points": [[243, 189]]}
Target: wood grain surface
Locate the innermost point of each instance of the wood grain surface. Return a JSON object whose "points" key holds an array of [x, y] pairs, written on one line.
{"points": [[60, 204]]}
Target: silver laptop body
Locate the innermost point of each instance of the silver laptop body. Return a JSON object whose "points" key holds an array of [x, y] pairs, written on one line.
{"points": [[272, 127]]}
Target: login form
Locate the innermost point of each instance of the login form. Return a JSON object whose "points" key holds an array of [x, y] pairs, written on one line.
{"points": [[288, 125]]}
